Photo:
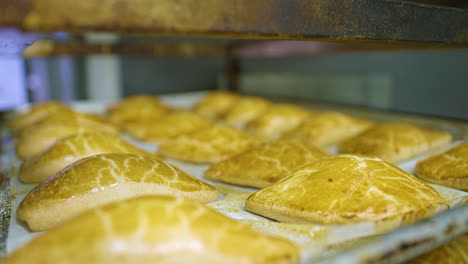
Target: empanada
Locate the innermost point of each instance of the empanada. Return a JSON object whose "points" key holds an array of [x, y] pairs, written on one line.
{"points": [[395, 142], [453, 252], [278, 119], [73, 148], [266, 164], [154, 229], [449, 168], [347, 189], [208, 145], [246, 109], [215, 104], [35, 114], [35, 140], [170, 126], [136, 108], [101, 179], [84, 119], [328, 128]]}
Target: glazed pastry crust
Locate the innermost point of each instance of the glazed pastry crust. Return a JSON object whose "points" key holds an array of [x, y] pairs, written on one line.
{"points": [[454, 252], [173, 125], [395, 142], [347, 189], [265, 164], [215, 104], [154, 229], [143, 108], [279, 118], [38, 138], [246, 109], [449, 168], [208, 145], [329, 128], [35, 114], [73, 148], [102, 179]]}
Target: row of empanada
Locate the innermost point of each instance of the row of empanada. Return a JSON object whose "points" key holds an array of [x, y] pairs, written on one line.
{"points": [[105, 182]]}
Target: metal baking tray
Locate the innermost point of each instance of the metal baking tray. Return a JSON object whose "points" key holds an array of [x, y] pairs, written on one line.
{"points": [[357, 243]]}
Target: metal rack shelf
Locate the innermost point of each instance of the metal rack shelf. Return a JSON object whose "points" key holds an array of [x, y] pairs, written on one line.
{"points": [[326, 20]]}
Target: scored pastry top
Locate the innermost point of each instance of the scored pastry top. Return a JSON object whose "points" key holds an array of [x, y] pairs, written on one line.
{"points": [[265, 164], [347, 189], [215, 104], [154, 229], [72, 148], [102, 179], [395, 142], [449, 168], [278, 119], [245, 110], [329, 128], [172, 125], [208, 145]]}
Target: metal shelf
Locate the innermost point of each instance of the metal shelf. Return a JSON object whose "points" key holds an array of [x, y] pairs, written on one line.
{"points": [[324, 20]]}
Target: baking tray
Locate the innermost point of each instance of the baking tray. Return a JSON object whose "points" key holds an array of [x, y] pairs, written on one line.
{"points": [[365, 242]]}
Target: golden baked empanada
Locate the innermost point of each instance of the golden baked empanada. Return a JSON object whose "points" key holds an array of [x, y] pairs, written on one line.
{"points": [[84, 119], [449, 168], [329, 128], [278, 119], [35, 114], [453, 252], [208, 145], [395, 142], [347, 189], [35, 140], [246, 109], [174, 124], [105, 178], [215, 104], [136, 108], [266, 164], [73, 148], [154, 229]]}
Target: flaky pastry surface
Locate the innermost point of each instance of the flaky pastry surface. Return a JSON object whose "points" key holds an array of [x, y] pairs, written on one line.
{"points": [[449, 168], [265, 164], [102, 179], [347, 189], [154, 229]]}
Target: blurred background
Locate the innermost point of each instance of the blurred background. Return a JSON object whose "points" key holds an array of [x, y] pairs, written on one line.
{"points": [[428, 80]]}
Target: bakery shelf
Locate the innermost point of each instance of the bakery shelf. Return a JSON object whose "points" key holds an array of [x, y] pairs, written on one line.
{"points": [[326, 20], [181, 49]]}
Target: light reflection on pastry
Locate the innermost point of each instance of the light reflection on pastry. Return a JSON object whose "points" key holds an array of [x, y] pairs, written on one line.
{"points": [[278, 119], [329, 128], [453, 252], [70, 149], [395, 142], [449, 168], [136, 108], [174, 124], [154, 229], [215, 104], [35, 140], [35, 114], [265, 164], [208, 145], [246, 109], [347, 189], [102, 179]]}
